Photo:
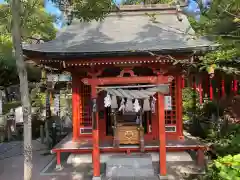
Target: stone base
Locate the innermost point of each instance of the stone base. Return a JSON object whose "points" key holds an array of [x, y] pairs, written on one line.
{"points": [[59, 167], [167, 177], [96, 178]]}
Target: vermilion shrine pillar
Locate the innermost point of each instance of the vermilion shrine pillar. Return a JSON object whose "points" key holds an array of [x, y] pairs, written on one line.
{"points": [[95, 135], [162, 135], [75, 107], [210, 87], [180, 86]]}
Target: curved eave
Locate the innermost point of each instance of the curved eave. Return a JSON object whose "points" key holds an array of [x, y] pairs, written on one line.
{"points": [[75, 55]]}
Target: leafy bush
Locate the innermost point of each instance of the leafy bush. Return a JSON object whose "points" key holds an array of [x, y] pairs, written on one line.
{"points": [[229, 144], [10, 105], [224, 168], [39, 100], [189, 103]]}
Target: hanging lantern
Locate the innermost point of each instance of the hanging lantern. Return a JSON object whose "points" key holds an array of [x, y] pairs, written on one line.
{"points": [[211, 70]]}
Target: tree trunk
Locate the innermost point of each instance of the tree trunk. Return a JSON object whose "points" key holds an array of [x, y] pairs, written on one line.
{"points": [[22, 73]]}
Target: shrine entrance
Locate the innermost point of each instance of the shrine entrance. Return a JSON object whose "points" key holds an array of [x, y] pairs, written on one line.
{"points": [[129, 110], [146, 116]]}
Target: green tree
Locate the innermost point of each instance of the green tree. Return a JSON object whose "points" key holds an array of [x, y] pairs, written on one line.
{"points": [[221, 23], [22, 73], [35, 23], [84, 10], [22, 21]]}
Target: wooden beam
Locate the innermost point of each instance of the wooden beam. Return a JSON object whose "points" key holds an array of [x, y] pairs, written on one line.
{"points": [[162, 135], [128, 80]]}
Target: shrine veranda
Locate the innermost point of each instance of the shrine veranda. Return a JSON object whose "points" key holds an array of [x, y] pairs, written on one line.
{"points": [[126, 89]]}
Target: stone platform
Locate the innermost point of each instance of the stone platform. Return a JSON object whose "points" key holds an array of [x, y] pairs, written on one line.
{"points": [[104, 157]]}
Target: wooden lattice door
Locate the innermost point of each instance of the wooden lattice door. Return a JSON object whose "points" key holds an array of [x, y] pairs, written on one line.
{"points": [[85, 109]]}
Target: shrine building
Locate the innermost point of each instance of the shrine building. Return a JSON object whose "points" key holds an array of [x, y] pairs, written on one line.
{"points": [[126, 84]]}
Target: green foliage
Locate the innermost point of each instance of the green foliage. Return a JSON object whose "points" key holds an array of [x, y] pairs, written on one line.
{"points": [[35, 23], [189, 103], [84, 10], [10, 105], [225, 168], [220, 23], [38, 99], [93, 9], [228, 144]]}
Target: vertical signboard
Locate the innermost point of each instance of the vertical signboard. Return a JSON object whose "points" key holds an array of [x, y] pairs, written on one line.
{"points": [[168, 103], [57, 104], [1, 102]]}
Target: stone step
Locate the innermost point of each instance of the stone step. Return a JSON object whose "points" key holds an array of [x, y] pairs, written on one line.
{"points": [[135, 166], [132, 178]]}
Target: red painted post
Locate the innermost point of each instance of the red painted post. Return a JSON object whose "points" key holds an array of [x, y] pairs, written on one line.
{"points": [[210, 89], [58, 165], [235, 88], [183, 82], [223, 88], [162, 135], [200, 157], [75, 107], [179, 107], [200, 93], [95, 134]]}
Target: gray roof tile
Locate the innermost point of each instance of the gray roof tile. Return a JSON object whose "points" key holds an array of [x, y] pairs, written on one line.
{"points": [[128, 31]]}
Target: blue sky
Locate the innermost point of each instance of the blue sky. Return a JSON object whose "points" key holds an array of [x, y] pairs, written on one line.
{"points": [[51, 8]]}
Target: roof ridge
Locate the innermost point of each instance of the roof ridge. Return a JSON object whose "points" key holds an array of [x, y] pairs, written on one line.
{"points": [[146, 7]]}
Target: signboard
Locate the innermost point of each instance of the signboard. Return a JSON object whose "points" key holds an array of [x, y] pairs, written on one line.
{"points": [[57, 104], [1, 102], [48, 110], [168, 103], [64, 78], [59, 77], [52, 77]]}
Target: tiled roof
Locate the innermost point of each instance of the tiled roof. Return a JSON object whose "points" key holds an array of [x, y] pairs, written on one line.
{"points": [[125, 32]]}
